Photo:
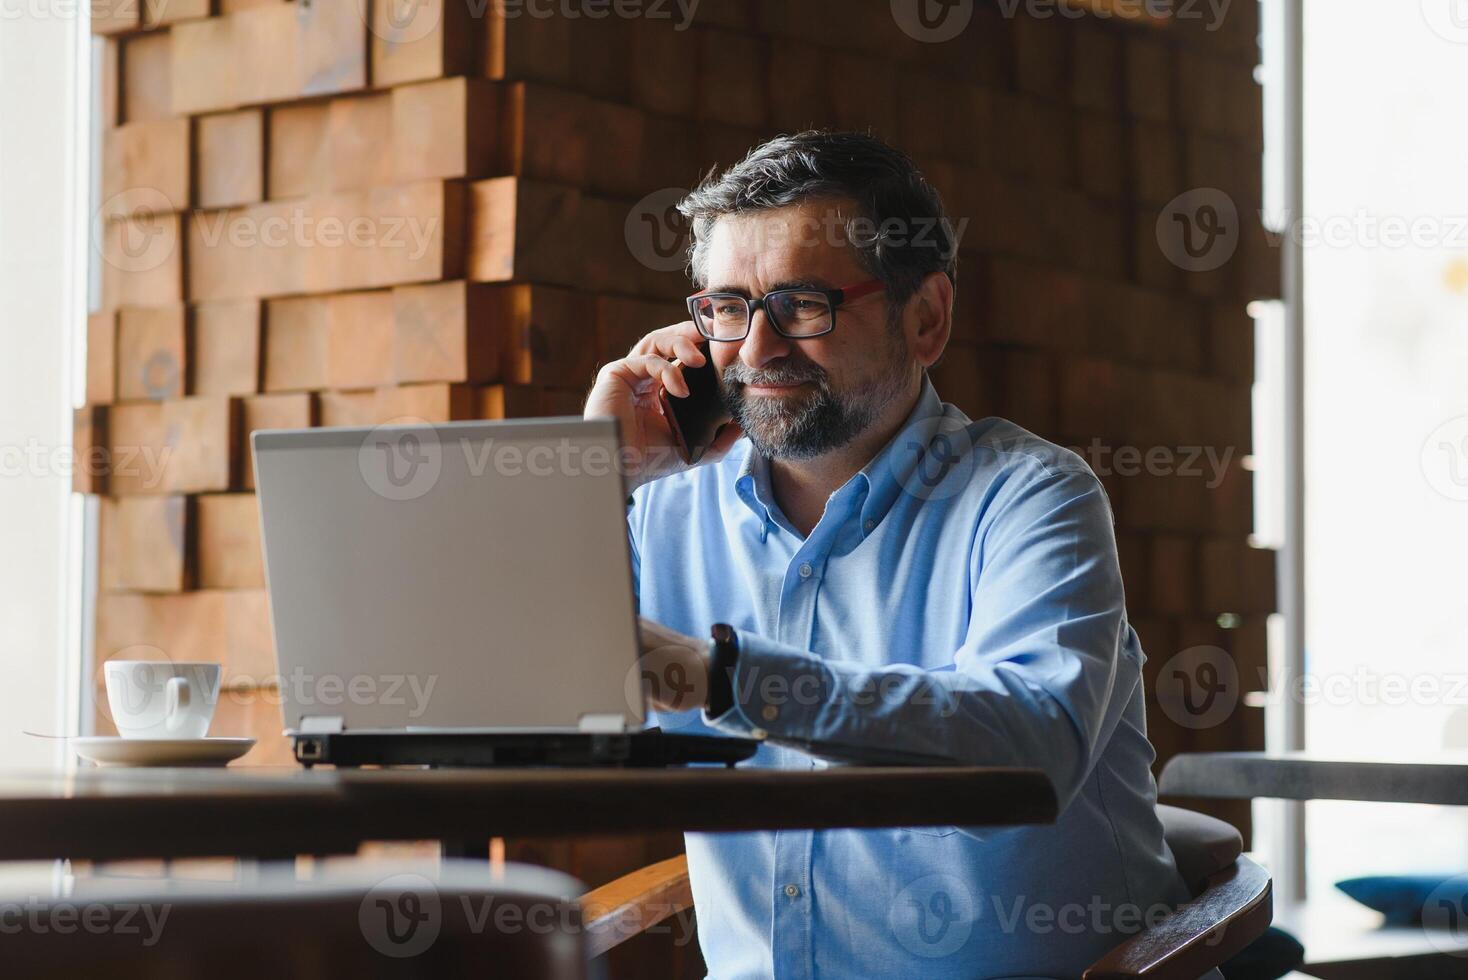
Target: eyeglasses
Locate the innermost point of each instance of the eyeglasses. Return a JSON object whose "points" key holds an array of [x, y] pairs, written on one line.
{"points": [[794, 313]]}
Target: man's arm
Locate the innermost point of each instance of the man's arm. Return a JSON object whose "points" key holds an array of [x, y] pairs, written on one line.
{"points": [[1039, 680]]}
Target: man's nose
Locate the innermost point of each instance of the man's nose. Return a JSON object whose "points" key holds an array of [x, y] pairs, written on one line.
{"points": [[763, 344]]}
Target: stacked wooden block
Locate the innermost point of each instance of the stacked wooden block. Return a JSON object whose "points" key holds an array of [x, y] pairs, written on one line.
{"points": [[337, 212]]}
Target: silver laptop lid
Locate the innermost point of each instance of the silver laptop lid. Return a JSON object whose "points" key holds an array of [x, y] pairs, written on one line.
{"points": [[469, 575]]}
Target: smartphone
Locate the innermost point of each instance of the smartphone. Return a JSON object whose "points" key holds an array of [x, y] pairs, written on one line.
{"points": [[695, 420]]}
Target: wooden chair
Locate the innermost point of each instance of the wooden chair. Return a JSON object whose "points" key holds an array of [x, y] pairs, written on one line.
{"points": [[369, 920], [1230, 908]]}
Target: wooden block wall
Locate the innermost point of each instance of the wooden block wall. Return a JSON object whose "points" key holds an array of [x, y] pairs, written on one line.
{"points": [[315, 219]]}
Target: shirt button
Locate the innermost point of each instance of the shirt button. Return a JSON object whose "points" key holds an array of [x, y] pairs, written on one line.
{"points": [[805, 570], [869, 525], [792, 890], [770, 713]]}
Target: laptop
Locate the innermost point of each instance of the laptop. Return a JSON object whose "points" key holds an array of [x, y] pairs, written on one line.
{"points": [[458, 594]]}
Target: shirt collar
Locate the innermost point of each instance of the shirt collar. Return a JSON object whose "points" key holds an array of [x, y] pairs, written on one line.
{"points": [[880, 480]]}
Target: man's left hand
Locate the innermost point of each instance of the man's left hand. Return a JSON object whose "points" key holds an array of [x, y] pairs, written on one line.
{"points": [[675, 667]]}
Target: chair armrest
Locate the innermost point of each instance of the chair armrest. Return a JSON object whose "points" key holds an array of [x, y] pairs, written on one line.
{"points": [[1234, 910], [635, 902]]}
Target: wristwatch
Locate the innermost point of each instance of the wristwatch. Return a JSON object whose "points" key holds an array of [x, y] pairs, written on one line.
{"points": [[723, 657]]}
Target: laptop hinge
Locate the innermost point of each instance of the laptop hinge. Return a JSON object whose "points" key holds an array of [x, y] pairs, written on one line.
{"points": [[321, 724], [602, 723]]}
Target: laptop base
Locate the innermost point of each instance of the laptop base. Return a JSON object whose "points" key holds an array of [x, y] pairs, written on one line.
{"points": [[481, 750]]}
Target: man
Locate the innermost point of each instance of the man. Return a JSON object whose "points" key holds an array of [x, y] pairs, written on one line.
{"points": [[897, 577]]}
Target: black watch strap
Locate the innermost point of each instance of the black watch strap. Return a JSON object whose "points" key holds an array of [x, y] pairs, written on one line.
{"points": [[721, 669]]}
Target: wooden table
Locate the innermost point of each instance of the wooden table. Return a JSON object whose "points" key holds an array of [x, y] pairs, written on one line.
{"points": [[117, 814], [1441, 779]]}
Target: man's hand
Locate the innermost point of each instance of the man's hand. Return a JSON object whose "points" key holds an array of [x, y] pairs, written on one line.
{"points": [[675, 668], [627, 390]]}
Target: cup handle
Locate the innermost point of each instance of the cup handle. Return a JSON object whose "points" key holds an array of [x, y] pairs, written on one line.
{"points": [[177, 698]]}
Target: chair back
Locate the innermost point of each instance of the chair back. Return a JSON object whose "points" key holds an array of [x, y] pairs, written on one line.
{"points": [[1201, 845], [1231, 906], [370, 921]]}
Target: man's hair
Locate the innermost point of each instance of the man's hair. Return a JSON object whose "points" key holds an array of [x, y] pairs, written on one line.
{"points": [[900, 231]]}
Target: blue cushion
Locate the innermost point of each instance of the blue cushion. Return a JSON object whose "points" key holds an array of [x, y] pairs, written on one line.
{"points": [[1269, 957], [1401, 897]]}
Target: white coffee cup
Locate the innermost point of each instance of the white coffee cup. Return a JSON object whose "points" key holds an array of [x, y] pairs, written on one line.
{"points": [[161, 699]]}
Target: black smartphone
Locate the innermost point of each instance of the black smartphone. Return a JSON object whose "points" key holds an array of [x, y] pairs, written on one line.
{"points": [[695, 419]]}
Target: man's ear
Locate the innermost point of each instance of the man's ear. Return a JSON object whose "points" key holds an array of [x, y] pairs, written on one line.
{"points": [[932, 310]]}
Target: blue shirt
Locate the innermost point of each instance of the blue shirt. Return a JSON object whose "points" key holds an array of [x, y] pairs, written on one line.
{"points": [[960, 596]]}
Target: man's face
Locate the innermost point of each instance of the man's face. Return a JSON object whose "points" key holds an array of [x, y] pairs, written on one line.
{"points": [[802, 398]]}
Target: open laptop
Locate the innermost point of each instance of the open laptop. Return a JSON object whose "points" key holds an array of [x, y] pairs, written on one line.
{"points": [[458, 594]]}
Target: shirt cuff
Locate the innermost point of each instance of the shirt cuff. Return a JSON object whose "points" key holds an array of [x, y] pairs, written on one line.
{"points": [[779, 690]]}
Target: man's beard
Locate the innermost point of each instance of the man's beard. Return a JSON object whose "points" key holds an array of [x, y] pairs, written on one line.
{"points": [[811, 423]]}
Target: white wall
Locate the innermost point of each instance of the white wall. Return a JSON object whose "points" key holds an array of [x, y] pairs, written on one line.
{"points": [[43, 172]]}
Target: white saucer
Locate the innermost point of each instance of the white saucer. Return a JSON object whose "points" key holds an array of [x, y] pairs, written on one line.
{"points": [[112, 750]]}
